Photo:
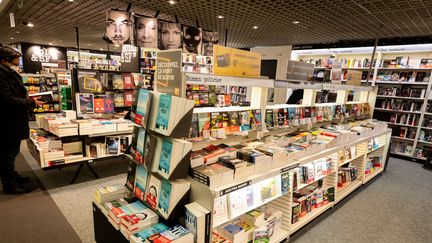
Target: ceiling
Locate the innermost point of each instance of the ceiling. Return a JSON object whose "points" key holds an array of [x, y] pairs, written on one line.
{"points": [[320, 21]]}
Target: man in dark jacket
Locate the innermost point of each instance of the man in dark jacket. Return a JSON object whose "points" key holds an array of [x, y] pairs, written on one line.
{"points": [[15, 105]]}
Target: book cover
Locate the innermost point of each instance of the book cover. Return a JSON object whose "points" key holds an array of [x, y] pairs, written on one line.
{"points": [[234, 121], [85, 103], [130, 178], [128, 97], [164, 110], [99, 105], [118, 82], [128, 81], [220, 210], [164, 200], [141, 176], [153, 193], [142, 236], [119, 100], [165, 156], [140, 144], [113, 144], [143, 107], [109, 105]]}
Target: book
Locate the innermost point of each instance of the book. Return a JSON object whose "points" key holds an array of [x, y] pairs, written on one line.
{"points": [[141, 177], [130, 179], [220, 210], [46, 96], [109, 105], [143, 235], [85, 103], [170, 153], [197, 219], [108, 206], [128, 97], [171, 193], [117, 213], [113, 145], [118, 82], [135, 222], [143, 105], [153, 191], [176, 234], [99, 105]]}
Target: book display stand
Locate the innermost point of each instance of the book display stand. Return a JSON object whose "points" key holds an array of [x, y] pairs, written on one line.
{"points": [[402, 74]]}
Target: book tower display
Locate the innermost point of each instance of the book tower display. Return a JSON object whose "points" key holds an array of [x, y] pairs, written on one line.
{"points": [[402, 74], [260, 179]]}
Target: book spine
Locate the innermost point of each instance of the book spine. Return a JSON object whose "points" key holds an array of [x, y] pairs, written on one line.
{"points": [[207, 227]]}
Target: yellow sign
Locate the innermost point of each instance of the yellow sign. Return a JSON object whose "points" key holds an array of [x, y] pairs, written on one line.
{"points": [[234, 62]]}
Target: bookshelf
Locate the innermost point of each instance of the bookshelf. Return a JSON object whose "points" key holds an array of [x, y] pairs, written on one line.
{"points": [[36, 83], [398, 68]]}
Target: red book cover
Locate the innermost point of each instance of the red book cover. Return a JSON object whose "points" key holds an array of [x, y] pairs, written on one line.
{"points": [[128, 81], [227, 100], [109, 105], [128, 98], [99, 105]]}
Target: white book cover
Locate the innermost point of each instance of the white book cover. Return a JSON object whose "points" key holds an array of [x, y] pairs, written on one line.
{"points": [[220, 210], [195, 222]]}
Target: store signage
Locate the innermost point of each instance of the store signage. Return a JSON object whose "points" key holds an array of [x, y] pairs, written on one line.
{"points": [[130, 59], [168, 73], [354, 50], [234, 62], [195, 78], [299, 71], [37, 56], [235, 188]]}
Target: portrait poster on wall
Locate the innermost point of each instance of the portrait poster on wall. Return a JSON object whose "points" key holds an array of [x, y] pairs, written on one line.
{"points": [[192, 40], [170, 36], [209, 40], [119, 28], [146, 32]]}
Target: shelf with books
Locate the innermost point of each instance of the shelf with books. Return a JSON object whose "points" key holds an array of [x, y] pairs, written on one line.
{"points": [[400, 97], [375, 149], [342, 192], [372, 175], [398, 124], [309, 217], [279, 236], [405, 139], [198, 110], [397, 111], [301, 186], [351, 160]]}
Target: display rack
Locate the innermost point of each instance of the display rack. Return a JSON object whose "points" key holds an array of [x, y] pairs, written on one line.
{"points": [[412, 64], [36, 83]]}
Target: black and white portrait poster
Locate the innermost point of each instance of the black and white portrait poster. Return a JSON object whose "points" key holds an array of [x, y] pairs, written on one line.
{"points": [[209, 40], [169, 35], [146, 31], [192, 40], [119, 28]]}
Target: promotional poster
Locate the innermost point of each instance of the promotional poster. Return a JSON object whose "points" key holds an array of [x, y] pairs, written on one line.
{"points": [[192, 40], [209, 40], [170, 36], [146, 31], [119, 28]]}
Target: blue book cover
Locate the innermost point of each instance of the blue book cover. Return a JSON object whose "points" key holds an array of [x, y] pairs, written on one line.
{"points": [[165, 158], [165, 195], [140, 141], [175, 232], [164, 110], [291, 113], [140, 182], [142, 104], [143, 235]]}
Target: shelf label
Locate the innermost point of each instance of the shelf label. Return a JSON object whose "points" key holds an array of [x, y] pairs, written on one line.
{"points": [[283, 170], [235, 188]]}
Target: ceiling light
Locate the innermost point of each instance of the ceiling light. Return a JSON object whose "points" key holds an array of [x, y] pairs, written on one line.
{"points": [[17, 32], [296, 22], [28, 24], [255, 27], [50, 43], [11, 38], [172, 2], [101, 49], [71, 1], [220, 17], [116, 45]]}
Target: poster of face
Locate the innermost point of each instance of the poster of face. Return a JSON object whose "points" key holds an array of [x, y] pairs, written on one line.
{"points": [[119, 28], [192, 40], [209, 40], [169, 35], [146, 30]]}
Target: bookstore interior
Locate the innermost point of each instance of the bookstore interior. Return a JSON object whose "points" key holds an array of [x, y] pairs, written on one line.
{"points": [[219, 144]]}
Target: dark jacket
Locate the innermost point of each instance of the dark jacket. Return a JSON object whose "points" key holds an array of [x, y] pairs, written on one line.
{"points": [[14, 104]]}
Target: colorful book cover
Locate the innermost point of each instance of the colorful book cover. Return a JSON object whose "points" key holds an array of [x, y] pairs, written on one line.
{"points": [[269, 118], [165, 158], [128, 81], [140, 182], [109, 105], [153, 192], [164, 109], [99, 105], [165, 195], [140, 144], [203, 122], [119, 100], [245, 121], [118, 82], [194, 130], [128, 97], [143, 103], [234, 121], [143, 235], [86, 103]]}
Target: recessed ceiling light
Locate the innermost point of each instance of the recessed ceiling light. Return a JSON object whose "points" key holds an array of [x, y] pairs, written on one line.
{"points": [[255, 27], [50, 43], [28, 24], [11, 38], [101, 49], [296, 22], [172, 2], [220, 17], [71, 1], [17, 32]]}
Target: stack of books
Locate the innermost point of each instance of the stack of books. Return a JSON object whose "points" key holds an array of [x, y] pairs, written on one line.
{"points": [[110, 193]]}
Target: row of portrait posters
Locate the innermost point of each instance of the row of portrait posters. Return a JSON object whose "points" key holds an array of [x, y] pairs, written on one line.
{"points": [[125, 28]]}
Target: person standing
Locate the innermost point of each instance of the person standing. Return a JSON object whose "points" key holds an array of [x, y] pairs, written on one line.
{"points": [[14, 122]]}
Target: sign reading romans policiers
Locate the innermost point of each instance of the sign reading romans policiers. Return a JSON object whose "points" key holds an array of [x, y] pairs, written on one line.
{"points": [[130, 59], [168, 73], [234, 62]]}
